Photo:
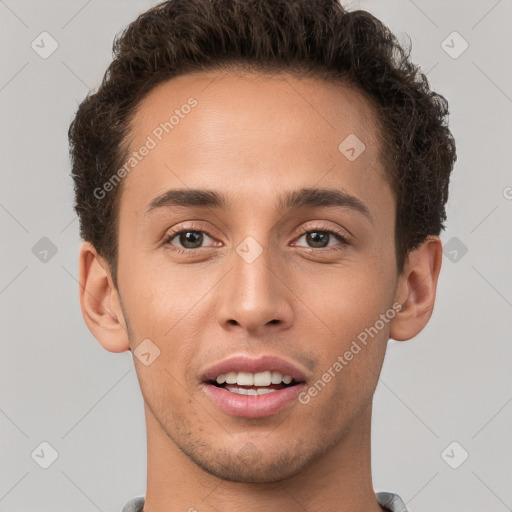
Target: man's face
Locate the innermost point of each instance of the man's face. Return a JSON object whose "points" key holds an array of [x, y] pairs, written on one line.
{"points": [[256, 278]]}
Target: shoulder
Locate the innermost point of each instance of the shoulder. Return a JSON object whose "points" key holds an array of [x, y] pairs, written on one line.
{"points": [[134, 505], [390, 501]]}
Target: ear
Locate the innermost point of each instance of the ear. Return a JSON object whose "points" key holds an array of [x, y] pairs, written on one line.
{"points": [[99, 301], [416, 290]]}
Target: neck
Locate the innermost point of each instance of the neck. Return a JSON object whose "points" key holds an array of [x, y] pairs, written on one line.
{"points": [[339, 480]]}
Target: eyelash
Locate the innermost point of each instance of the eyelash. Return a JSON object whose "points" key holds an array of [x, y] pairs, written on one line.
{"points": [[343, 238]]}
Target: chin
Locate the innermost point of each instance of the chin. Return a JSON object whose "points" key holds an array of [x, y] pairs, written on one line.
{"points": [[259, 473], [248, 465]]}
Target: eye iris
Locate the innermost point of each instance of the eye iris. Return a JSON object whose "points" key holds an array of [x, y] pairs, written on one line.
{"points": [[197, 236], [313, 237]]}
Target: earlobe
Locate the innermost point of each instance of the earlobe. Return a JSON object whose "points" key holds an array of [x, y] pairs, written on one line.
{"points": [[416, 290], [99, 301]]}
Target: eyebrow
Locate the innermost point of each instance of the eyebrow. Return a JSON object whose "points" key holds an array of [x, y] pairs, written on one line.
{"points": [[302, 198]]}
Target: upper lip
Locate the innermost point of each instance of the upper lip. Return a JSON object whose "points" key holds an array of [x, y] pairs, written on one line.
{"points": [[244, 363]]}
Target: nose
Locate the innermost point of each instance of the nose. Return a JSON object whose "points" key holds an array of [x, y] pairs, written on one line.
{"points": [[255, 296]]}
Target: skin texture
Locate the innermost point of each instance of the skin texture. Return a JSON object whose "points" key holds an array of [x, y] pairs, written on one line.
{"points": [[253, 137]]}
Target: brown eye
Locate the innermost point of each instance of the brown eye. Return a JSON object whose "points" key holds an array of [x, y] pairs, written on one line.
{"points": [[317, 239], [190, 239], [187, 239], [320, 238]]}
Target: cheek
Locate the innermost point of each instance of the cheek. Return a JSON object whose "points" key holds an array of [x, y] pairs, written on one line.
{"points": [[354, 314], [345, 301], [347, 375], [167, 309], [154, 297]]}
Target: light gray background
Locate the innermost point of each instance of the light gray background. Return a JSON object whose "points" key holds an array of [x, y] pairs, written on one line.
{"points": [[57, 384]]}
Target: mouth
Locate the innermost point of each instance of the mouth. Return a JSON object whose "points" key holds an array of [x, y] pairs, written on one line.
{"points": [[252, 388], [260, 383]]}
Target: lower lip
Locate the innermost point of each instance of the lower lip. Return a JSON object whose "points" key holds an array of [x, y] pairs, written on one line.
{"points": [[253, 406]]}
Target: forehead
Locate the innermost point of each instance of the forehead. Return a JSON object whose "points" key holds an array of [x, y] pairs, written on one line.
{"points": [[218, 129], [228, 97]]}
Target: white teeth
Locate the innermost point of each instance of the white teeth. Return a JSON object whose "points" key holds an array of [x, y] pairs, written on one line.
{"points": [[245, 379], [263, 391], [265, 378], [277, 377], [230, 377], [243, 391], [262, 379]]}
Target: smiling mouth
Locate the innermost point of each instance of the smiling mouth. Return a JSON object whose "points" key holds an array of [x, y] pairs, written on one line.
{"points": [[253, 390], [253, 395], [247, 383]]}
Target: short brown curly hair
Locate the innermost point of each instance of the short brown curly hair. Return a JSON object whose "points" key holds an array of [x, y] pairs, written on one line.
{"points": [[316, 38]]}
